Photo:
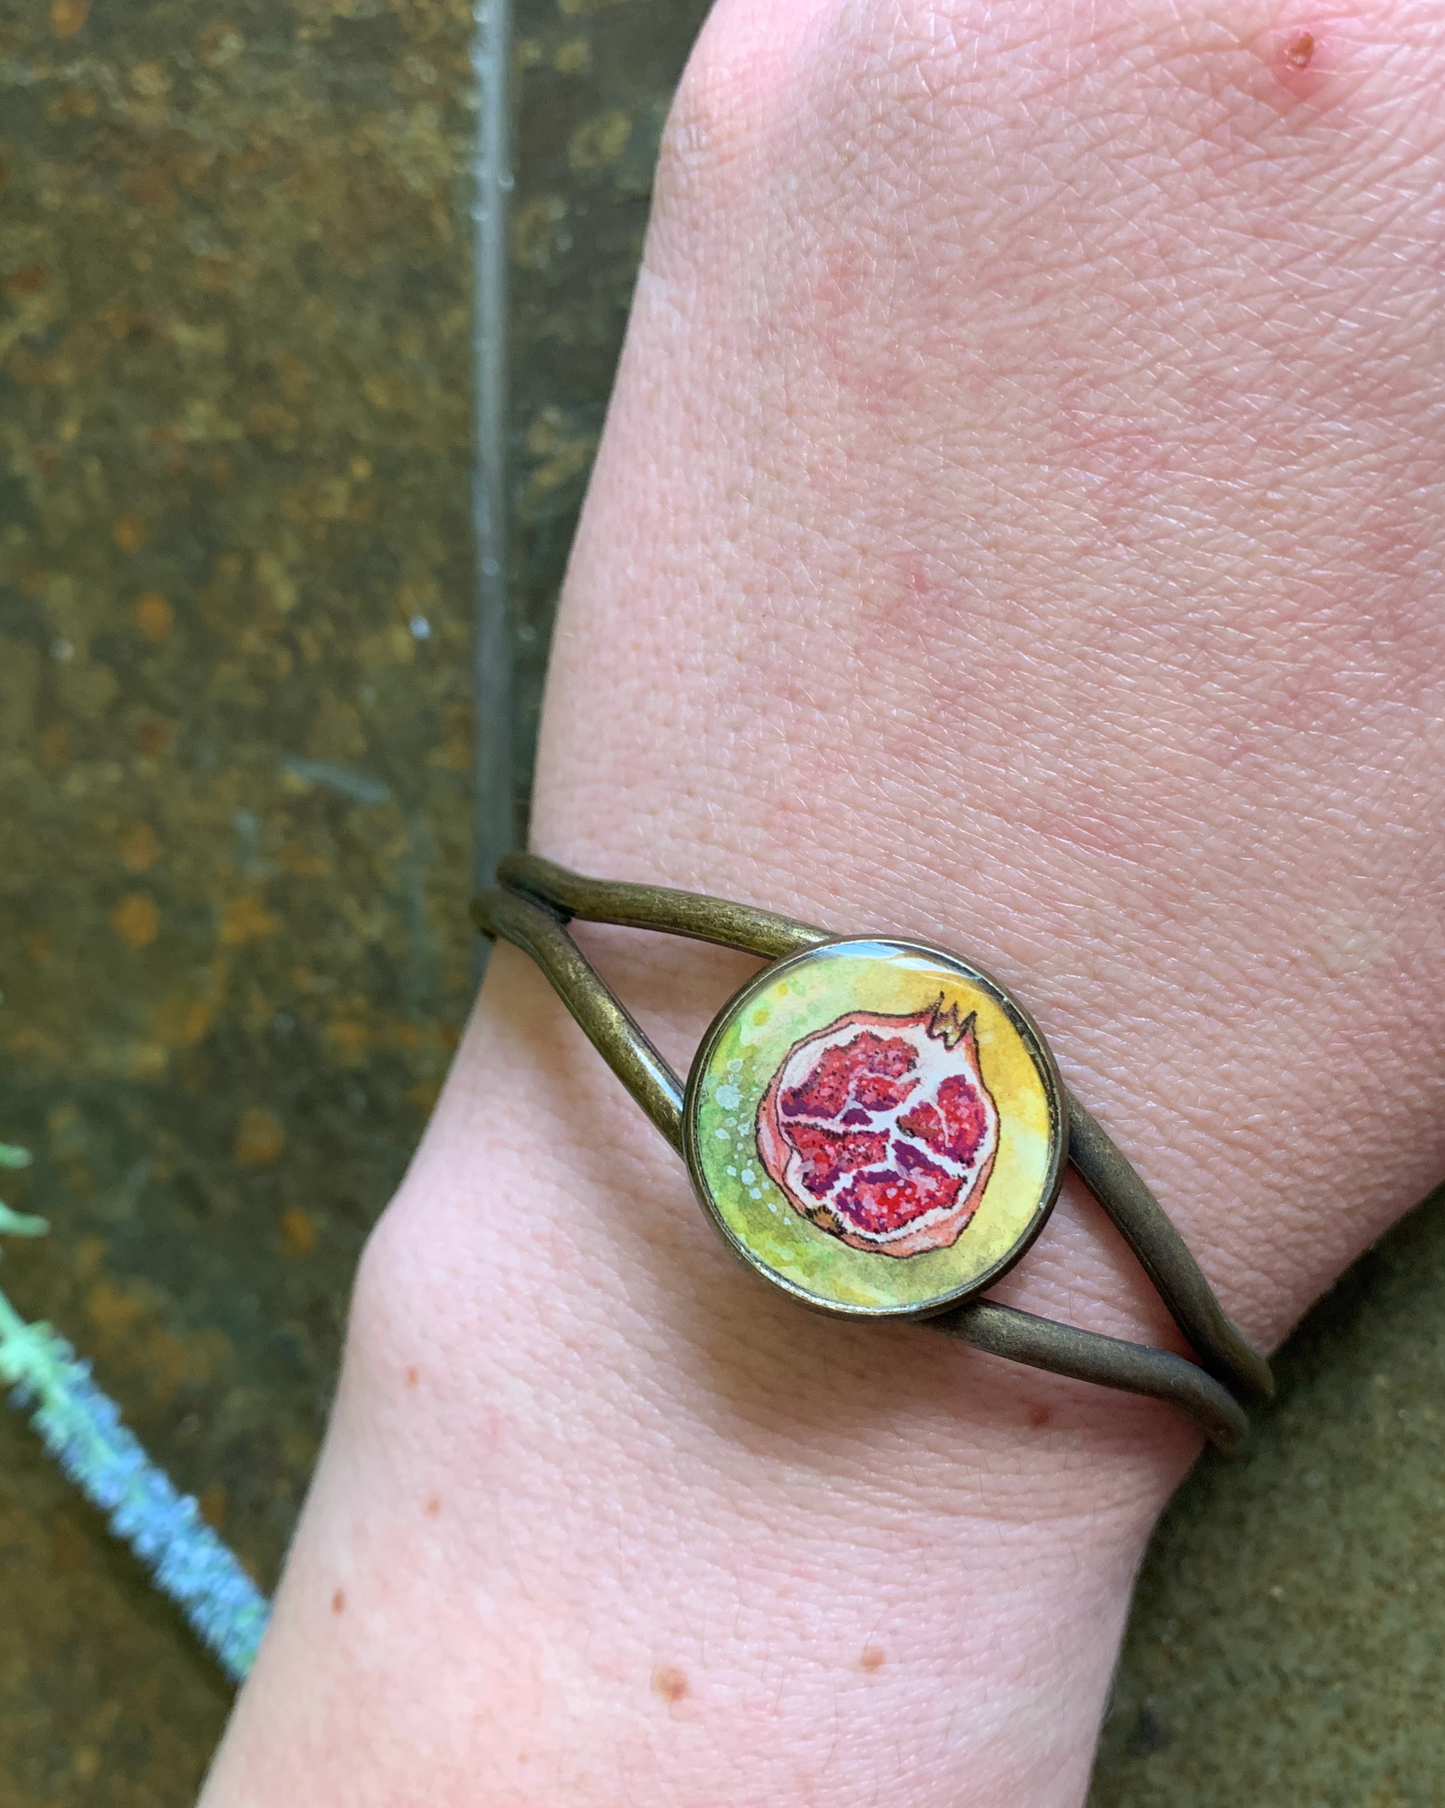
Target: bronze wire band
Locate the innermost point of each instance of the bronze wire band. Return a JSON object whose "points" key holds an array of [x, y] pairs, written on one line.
{"points": [[531, 907]]}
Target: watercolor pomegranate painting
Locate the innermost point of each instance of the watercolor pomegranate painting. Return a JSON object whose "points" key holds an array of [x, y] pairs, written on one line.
{"points": [[880, 1130]]}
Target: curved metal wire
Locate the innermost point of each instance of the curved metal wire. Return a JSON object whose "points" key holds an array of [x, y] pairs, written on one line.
{"points": [[1164, 1256], [687, 913], [612, 1031], [531, 909], [1134, 1368]]}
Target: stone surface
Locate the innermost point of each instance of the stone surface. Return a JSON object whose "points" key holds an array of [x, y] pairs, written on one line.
{"points": [[235, 598], [1289, 1627], [235, 613]]}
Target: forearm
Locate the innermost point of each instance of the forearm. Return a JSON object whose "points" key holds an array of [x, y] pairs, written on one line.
{"points": [[969, 556], [600, 1519]]}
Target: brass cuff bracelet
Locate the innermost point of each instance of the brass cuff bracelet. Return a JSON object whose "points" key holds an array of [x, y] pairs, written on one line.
{"points": [[879, 1129]]}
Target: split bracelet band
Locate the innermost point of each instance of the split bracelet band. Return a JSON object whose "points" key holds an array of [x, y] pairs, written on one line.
{"points": [[879, 1129]]}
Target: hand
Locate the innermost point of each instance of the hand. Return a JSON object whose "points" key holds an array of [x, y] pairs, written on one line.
{"points": [[1018, 525]]}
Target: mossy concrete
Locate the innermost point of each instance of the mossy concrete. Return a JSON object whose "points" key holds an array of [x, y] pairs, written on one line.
{"points": [[235, 737], [1289, 1628]]}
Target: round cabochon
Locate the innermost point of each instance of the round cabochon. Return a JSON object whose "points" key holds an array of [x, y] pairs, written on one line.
{"points": [[877, 1127]]}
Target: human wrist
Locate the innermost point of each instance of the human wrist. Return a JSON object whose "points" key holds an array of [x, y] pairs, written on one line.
{"points": [[843, 1517], [633, 1503]]}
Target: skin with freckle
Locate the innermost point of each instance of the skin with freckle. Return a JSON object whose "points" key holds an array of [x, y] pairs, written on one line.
{"points": [[1018, 527], [669, 1683]]}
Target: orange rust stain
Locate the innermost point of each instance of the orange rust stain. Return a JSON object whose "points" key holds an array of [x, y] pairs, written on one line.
{"points": [[198, 1018], [40, 371], [154, 616], [31, 1041], [873, 1658], [433, 1505], [212, 1502], [27, 279], [72, 103], [213, 275], [136, 920], [670, 1683], [151, 188], [247, 920], [57, 747], [260, 1138], [349, 1040], [139, 848], [298, 1232], [182, 1019], [154, 736], [128, 532], [302, 862], [67, 17], [413, 1375], [124, 1320], [115, 1311]]}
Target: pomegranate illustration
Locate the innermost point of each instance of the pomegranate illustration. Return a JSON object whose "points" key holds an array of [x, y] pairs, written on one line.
{"points": [[880, 1130]]}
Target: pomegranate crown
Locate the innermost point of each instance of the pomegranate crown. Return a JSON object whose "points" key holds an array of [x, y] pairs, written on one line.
{"points": [[947, 1027]]}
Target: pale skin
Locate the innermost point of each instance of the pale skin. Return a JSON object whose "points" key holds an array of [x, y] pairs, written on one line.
{"points": [[1018, 526]]}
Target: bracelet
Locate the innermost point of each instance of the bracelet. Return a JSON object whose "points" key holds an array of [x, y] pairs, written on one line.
{"points": [[878, 1128]]}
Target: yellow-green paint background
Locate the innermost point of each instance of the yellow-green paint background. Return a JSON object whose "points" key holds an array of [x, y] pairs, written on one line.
{"points": [[826, 985]]}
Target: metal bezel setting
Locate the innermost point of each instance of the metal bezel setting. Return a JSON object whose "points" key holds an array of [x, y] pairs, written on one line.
{"points": [[1029, 1034]]}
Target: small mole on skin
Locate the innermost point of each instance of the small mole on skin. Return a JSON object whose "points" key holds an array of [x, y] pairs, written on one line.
{"points": [[338, 1601], [1299, 50], [1039, 1416], [872, 1659], [412, 1377], [669, 1683], [433, 1505]]}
